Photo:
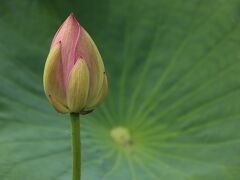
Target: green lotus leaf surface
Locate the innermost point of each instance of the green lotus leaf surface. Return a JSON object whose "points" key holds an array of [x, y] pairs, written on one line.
{"points": [[174, 91]]}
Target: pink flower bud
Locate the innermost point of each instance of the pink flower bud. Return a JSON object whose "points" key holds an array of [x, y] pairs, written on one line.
{"points": [[74, 77]]}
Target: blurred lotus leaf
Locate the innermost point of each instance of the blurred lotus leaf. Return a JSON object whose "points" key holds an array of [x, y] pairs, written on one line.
{"points": [[174, 91]]}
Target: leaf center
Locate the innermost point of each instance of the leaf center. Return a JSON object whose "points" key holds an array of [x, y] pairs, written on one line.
{"points": [[121, 136]]}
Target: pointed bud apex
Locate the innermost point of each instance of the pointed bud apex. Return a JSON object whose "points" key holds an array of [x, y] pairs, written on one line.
{"points": [[74, 75]]}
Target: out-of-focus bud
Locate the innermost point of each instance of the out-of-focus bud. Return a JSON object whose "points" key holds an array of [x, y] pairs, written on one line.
{"points": [[74, 76]]}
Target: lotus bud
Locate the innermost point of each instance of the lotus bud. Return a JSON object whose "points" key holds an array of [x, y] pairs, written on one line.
{"points": [[74, 76]]}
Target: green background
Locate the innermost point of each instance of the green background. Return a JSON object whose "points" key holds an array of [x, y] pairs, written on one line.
{"points": [[173, 68]]}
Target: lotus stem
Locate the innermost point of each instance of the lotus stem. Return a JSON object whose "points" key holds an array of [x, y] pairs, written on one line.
{"points": [[76, 146]]}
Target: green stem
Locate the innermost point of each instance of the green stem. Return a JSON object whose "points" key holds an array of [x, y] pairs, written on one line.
{"points": [[76, 146]]}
